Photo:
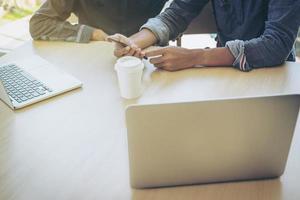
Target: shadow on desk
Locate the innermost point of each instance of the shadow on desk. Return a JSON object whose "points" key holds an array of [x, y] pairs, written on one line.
{"points": [[270, 190]]}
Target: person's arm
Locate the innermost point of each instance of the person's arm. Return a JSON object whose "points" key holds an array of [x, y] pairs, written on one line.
{"points": [[166, 26], [175, 58], [275, 44], [144, 38], [270, 49], [49, 23]]}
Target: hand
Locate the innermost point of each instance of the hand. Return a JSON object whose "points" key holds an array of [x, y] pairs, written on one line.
{"points": [[172, 58], [124, 46], [99, 35]]}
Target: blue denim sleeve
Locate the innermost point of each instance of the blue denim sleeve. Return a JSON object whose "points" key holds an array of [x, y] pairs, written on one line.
{"points": [[275, 44], [237, 48], [175, 19]]}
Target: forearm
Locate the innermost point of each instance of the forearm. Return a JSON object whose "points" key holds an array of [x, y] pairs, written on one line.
{"points": [[46, 28], [50, 23], [212, 57], [274, 46], [144, 38]]}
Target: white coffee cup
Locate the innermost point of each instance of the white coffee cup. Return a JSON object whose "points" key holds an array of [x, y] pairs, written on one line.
{"points": [[130, 72]]}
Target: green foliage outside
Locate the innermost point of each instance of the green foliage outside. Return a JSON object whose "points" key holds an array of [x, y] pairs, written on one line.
{"points": [[16, 9], [17, 13]]}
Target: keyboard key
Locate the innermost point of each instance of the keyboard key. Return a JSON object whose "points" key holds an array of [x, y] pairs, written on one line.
{"points": [[24, 98], [18, 100], [40, 91], [35, 94], [30, 96]]}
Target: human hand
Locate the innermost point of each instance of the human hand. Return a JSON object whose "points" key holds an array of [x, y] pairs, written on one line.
{"points": [[99, 35], [172, 58], [124, 46]]}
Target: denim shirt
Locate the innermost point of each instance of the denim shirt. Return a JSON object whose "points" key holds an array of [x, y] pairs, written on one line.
{"points": [[259, 33]]}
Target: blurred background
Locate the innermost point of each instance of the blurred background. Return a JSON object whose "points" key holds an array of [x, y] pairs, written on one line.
{"points": [[15, 15], [14, 18]]}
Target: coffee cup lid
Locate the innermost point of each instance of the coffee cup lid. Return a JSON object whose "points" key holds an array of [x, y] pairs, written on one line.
{"points": [[129, 63]]}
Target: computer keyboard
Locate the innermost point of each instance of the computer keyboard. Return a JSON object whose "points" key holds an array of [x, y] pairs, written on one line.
{"points": [[20, 85]]}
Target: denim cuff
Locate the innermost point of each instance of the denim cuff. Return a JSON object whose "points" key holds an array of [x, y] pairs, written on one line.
{"points": [[159, 29], [237, 48]]}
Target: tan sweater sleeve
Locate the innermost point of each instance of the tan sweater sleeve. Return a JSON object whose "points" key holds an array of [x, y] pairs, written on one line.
{"points": [[49, 23]]}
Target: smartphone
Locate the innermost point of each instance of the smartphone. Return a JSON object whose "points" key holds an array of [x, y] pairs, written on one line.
{"points": [[122, 43], [116, 41]]}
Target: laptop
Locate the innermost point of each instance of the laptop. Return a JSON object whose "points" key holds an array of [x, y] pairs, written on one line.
{"points": [[210, 141], [31, 80]]}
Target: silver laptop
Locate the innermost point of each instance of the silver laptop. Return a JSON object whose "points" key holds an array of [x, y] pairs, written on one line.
{"points": [[210, 141], [31, 80]]}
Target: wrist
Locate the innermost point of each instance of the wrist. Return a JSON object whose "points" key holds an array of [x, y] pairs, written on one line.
{"points": [[99, 35], [197, 57], [144, 38], [94, 34]]}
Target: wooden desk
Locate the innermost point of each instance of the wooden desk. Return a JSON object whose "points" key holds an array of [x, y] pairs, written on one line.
{"points": [[74, 146]]}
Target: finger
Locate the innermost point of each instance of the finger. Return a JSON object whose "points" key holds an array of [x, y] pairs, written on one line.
{"points": [[131, 52], [122, 51], [155, 52], [138, 53], [134, 49], [159, 65], [117, 53], [119, 46], [169, 67], [157, 60], [143, 54], [126, 50]]}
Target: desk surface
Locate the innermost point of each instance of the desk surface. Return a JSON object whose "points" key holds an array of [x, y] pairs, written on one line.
{"points": [[74, 146]]}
